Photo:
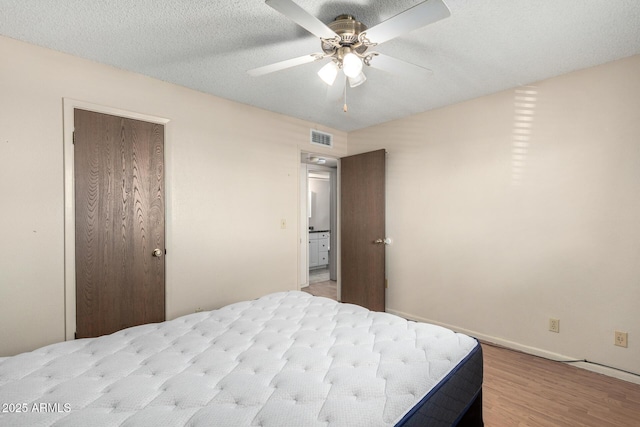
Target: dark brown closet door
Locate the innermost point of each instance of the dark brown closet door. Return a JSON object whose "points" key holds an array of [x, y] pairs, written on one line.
{"points": [[119, 202]]}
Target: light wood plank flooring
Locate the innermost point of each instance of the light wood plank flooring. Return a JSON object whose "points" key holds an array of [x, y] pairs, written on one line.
{"points": [[524, 390], [327, 289]]}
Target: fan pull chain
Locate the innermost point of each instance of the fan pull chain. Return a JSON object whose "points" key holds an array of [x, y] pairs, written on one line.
{"points": [[345, 108]]}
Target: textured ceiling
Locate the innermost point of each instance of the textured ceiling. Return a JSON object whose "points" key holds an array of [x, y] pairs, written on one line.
{"points": [[484, 47]]}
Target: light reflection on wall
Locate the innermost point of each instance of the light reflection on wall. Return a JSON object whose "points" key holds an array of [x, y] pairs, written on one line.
{"points": [[524, 103]]}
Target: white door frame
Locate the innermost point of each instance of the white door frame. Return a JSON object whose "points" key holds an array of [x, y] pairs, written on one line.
{"points": [[303, 220], [303, 229], [69, 205]]}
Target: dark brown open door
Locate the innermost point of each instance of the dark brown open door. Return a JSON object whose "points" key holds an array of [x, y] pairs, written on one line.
{"points": [[119, 200], [362, 206]]}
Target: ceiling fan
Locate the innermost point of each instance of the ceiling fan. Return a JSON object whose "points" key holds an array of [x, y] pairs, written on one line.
{"points": [[347, 41]]}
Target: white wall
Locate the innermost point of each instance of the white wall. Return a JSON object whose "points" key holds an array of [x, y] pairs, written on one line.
{"points": [[496, 244], [229, 185]]}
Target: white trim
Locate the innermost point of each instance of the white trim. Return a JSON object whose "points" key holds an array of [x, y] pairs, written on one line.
{"points": [[339, 235], [611, 372], [69, 207], [303, 228]]}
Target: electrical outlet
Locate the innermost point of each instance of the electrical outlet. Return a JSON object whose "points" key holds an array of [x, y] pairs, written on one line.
{"points": [[198, 310], [621, 339], [554, 325]]}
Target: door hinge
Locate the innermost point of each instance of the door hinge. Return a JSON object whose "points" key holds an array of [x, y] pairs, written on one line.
{"points": [[73, 137], [75, 335]]}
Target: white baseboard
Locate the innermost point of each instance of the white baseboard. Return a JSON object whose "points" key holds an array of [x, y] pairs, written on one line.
{"points": [[611, 372]]}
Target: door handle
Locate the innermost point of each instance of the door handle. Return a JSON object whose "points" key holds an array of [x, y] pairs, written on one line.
{"points": [[157, 252], [386, 241]]}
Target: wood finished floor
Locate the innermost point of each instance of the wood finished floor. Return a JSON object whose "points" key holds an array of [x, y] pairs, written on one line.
{"points": [[524, 390], [327, 289]]}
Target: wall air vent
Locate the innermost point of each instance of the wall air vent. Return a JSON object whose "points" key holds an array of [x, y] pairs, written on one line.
{"points": [[321, 138]]}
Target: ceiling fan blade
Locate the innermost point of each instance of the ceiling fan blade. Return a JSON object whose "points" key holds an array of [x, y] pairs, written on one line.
{"points": [[398, 66], [418, 16], [301, 17], [293, 62]]}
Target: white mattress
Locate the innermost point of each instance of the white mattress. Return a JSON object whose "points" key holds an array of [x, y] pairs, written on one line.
{"points": [[286, 359]]}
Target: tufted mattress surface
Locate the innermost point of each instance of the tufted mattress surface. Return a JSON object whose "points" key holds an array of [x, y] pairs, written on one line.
{"points": [[286, 359]]}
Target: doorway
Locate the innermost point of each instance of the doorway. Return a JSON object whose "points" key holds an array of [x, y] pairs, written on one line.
{"points": [[319, 225], [358, 238]]}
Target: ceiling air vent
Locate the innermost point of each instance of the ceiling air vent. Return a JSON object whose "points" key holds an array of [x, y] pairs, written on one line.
{"points": [[321, 138]]}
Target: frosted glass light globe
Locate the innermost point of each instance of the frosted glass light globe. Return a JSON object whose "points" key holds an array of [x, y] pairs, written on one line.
{"points": [[351, 65], [358, 80], [328, 73]]}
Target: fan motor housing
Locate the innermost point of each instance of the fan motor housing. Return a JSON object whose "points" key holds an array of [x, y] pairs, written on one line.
{"points": [[348, 28]]}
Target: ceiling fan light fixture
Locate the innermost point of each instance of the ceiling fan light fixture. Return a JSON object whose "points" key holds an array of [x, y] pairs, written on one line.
{"points": [[328, 73], [347, 41], [351, 65], [357, 80]]}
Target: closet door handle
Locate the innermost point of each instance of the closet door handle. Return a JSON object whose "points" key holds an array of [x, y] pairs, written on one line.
{"points": [[157, 252]]}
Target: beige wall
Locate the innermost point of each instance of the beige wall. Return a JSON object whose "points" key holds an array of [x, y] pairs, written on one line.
{"points": [[232, 176], [495, 244], [474, 247]]}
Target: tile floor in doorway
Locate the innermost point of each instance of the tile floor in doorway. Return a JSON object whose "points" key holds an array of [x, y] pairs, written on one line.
{"points": [[318, 275]]}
